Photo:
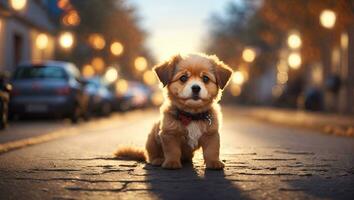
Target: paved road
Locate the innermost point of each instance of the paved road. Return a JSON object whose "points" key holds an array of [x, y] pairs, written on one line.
{"points": [[263, 161]]}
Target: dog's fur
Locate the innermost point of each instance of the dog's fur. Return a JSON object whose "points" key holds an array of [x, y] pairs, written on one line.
{"points": [[170, 142]]}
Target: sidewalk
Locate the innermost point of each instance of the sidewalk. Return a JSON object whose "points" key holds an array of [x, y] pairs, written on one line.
{"points": [[328, 123]]}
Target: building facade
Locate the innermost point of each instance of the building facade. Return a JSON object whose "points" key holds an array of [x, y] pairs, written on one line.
{"points": [[26, 32]]}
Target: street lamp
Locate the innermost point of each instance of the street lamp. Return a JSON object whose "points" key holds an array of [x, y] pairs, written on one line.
{"points": [[294, 60], [18, 5], [140, 63], [66, 40], [248, 55], [294, 41], [328, 18], [117, 48], [42, 41]]}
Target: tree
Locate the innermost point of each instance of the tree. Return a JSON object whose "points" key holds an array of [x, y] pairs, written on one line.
{"points": [[115, 21]]}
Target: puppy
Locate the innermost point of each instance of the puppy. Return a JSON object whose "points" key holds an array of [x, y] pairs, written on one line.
{"points": [[190, 114]]}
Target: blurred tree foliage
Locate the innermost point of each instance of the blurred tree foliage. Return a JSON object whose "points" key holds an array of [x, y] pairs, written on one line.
{"points": [[265, 24], [116, 21]]}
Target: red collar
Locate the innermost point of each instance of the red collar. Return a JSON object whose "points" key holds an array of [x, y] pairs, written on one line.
{"points": [[186, 118]]}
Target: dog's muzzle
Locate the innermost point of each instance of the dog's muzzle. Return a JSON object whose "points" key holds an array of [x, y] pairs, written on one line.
{"points": [[195, 92]]}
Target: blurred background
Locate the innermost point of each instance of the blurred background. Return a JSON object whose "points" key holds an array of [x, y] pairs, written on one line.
{"points": [[81, 59]]}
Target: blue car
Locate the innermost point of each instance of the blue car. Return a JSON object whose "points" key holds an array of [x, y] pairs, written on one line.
{"points": [[51, 88]]}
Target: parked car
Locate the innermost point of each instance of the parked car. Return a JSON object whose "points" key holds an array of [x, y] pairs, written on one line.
{"points": [[135, 96], [52, 88], [100, 97], [5, 89]]}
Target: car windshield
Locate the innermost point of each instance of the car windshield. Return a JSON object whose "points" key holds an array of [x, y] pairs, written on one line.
{"points": [[43, 72]]}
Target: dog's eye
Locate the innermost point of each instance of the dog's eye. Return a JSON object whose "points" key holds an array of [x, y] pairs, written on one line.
{"points": [[205, 79], [183, 78]]}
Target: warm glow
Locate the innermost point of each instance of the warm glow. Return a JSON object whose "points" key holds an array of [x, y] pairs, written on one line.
{"points": [[248, 55], [121, 86], [238, 78], [63, 4], [277, 90], [282, 77], [111, 75], [98, 64], [88, 71], [149, 77], [117, 48], [18, 4], [157, 98], [235, 90], [72, 18], [282, 66], [97, 41], [317, 74], [294, 60], [66, 40], [140, 63], [328, 18], [42, 41], [344, 40], [294, 41]]}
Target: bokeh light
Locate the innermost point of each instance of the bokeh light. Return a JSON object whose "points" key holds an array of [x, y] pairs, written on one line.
{"points": [[66, 40], [121, 86], [18, 4], [98, 64], [42, 41], [282, 77], [277, 90], [117, 48], [72, 18], [97, 41], [88, 71], [111, 75], [328, 18], [248, 55], [294, 60], [294, 41], [238, 78], [149, 77], [282, 66], [235, 90], [157, 98], [140, 63]]}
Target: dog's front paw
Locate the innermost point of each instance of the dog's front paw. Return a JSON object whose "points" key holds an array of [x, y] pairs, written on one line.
{"points": [[215, 165], [172, 164], [156, 161]]}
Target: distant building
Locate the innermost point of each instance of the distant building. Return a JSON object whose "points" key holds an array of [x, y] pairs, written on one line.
{"points": [[27, 32]]}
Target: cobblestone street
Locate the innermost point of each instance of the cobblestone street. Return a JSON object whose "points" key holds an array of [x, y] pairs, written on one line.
{"points": [[263, 161]]}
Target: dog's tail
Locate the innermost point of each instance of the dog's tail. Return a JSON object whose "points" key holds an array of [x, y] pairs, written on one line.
{"points": [[130, 153]]}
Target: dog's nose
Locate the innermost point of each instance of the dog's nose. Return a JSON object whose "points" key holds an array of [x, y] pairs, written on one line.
{"points": [[195, 89]]}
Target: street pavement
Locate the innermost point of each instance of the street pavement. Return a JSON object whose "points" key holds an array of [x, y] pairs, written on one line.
{"points": [[263, 161]]}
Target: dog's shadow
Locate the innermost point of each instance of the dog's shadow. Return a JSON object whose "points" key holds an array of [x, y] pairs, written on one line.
{"points": [[191, 182]]}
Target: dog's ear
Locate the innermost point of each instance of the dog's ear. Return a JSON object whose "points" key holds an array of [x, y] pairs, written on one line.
{"points": [[166, 70], [222, 72]]}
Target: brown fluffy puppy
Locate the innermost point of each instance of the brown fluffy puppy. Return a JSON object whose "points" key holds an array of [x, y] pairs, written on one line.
{"points": [[190, 114]]}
